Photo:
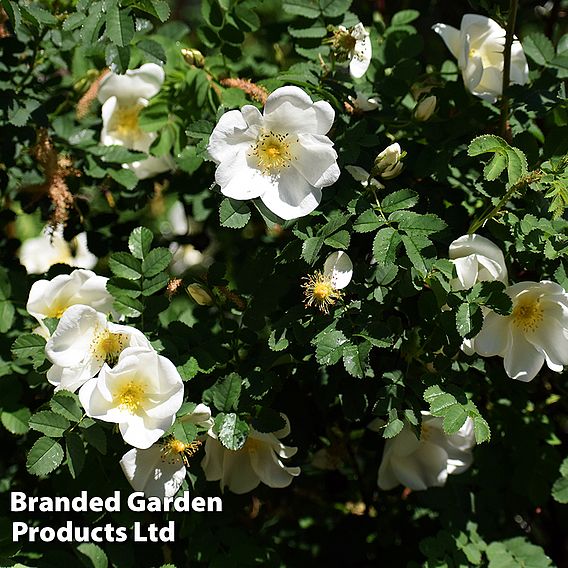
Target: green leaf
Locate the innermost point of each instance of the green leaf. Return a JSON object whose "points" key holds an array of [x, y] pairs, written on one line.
{"points": [[277, 340], [49, 423], [538, 47], [368, 221], [560, 487], [516, 553], [155, 284], [185, 431], [356, 358], [124, 177], [311, 248], [247, 17], [154, 116], [402, 199], [125, 265], [119, 25], [234, 214], [385, 245], [334, 8], [7, 313], [95, 436], [329, 347], [233, 432], [339, 240], [414, 247], [45, 455], [130, 307], [158, 8], [306, 8], [495, 167], [153, 50], [394, 425], [140, 241], [454, 419], [469, 320], [67, 404], [481, 429], [189, 369], [75, 453], [225, 393], [16, 421], [121, 287], [156, 261], [29, 346], [412, 222], [404, 17], [94, 554]]}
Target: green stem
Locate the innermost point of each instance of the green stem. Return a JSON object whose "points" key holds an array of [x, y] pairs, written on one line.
{"points": [[527, 179], [504, 120]]}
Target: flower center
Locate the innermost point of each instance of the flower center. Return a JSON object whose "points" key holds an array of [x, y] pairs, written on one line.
{"points": [[56, 311], [319, 291], [528, 315], [252, 445], [124, 122], [343, 43], [107, 346], [175, 450], [130, 397], [272, 151]]}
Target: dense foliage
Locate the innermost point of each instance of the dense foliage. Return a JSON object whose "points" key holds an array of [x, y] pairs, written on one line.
{"points": [[236, 297]]}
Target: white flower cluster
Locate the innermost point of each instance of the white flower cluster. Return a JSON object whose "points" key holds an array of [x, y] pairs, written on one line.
{"points": [[535, 332], [121, 378]]}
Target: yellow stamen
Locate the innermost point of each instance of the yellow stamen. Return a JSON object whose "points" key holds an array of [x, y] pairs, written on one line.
{"points": [[174, 449], [272, 151], [107, 346], [320, 291], [130, 397], [124, 123], [528, 315]]}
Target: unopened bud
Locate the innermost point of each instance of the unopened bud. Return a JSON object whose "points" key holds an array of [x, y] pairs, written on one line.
{"points": [[388, 163], [425, 108], [200, 294], [193, 56]]}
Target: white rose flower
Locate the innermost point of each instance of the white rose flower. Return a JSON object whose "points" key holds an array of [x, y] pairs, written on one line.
{"points": [[281, 156], [478, 46], [141, 393], [123, 97], [388, 163], [83, 342], [40, 253], [159, 471], [536, 330], [476, 259], [258, 460], [419, 463], [50, 298]]}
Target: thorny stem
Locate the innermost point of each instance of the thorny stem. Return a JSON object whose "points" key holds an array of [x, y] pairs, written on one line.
{"points": [[504, 120], [525, 180]]}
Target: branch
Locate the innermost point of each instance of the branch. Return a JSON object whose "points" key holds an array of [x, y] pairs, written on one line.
{"points": [[504, 121]]}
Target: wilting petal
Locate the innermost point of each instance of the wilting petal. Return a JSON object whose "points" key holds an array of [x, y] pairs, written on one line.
{"points": [[339, 268]]}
